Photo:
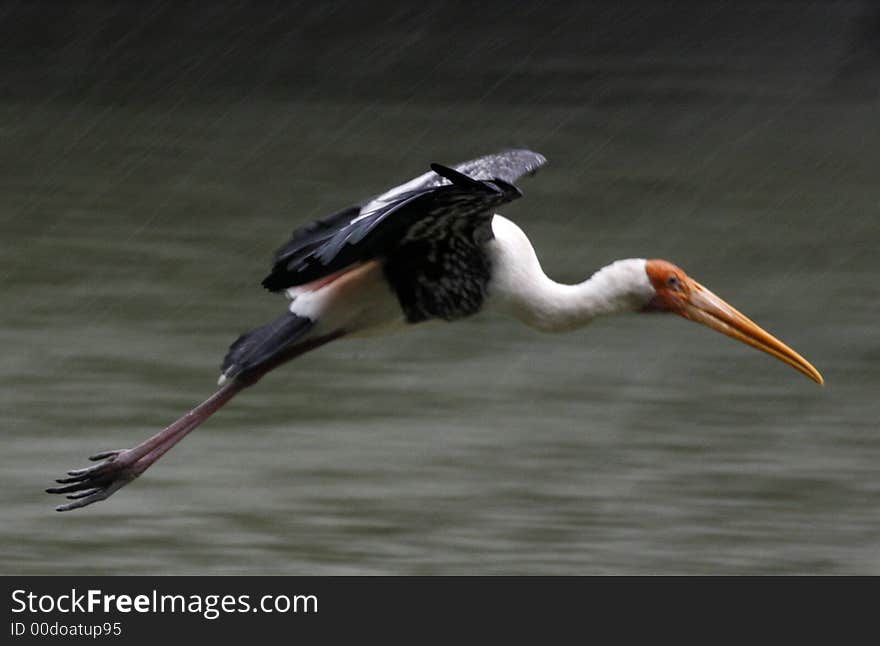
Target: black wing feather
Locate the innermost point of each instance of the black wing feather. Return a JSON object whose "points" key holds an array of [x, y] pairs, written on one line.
{"points": [[508, 166], [359, 234], [307, 238], [459, 179]]}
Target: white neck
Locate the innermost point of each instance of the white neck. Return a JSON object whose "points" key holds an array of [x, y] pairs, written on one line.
{"points": [[520, 287]]}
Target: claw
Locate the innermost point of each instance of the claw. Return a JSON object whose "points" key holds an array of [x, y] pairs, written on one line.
{"points": [[96, 482], [77, 476], [80, 485], [82, 502], [95, 494], [83, 494], [105, 454], [86, 471], [80, 476]]}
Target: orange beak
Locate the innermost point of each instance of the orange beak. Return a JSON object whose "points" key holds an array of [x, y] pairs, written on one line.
{"points": [[702, 306]]}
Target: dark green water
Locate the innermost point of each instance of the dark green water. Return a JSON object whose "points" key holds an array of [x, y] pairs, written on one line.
{"points": [[143, 190]]}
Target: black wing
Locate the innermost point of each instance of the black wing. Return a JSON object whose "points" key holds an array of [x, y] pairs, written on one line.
{"points": [[460, 199]]}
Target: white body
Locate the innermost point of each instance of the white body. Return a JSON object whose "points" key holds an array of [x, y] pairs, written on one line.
{"points": [[361, 301]]}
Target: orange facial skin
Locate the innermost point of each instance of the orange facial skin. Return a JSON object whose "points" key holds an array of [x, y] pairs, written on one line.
{"points": [[680, 294]]}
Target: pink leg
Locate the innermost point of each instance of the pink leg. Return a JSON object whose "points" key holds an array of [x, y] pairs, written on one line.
{"points": [[118, 468]]}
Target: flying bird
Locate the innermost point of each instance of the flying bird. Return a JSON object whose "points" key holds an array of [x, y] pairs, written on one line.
{"points": [[432, 248]]}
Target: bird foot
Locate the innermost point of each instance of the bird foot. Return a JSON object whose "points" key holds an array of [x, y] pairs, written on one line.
{"points": [[114, 470]]}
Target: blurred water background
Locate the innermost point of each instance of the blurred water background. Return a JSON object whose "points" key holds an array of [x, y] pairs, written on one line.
{"points": [[153, 155]]}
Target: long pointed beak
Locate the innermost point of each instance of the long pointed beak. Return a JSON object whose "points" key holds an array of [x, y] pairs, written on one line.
{"points": [[705, 307]]}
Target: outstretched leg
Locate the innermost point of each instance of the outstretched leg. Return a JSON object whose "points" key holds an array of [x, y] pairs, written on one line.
{"points": [[117, 468]]}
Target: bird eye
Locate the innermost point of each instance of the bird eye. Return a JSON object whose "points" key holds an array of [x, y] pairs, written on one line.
{"points": [[673, 282]]}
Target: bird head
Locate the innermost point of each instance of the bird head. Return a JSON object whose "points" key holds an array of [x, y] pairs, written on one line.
{"points": [[676, 292]]}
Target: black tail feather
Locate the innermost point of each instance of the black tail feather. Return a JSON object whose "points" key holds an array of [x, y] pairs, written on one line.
{"points": [[260, 345]]}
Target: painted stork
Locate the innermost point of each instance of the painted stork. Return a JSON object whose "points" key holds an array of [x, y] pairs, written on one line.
{"points": [[432, 248]]}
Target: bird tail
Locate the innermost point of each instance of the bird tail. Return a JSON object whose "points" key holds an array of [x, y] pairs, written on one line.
{"points": [[261, 345]]}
